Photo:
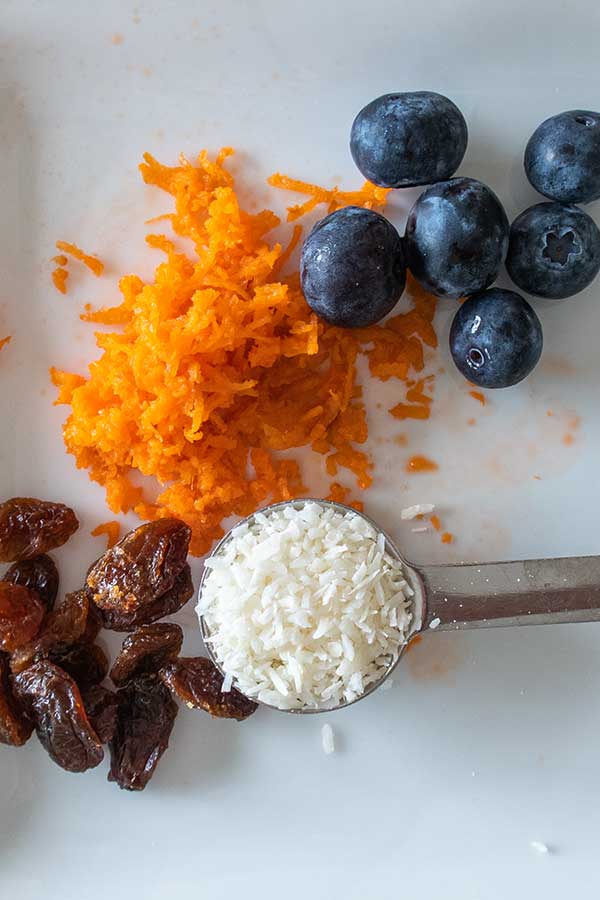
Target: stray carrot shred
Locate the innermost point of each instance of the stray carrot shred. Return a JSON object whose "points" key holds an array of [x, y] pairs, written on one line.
{"points": [[112, 530], [5, 341], [218, 367], [60, 260], [477, 395], [435, 522], [369, 196], [471, 421], [568, 439], [92, 262], [421, 464], [405, 411], [447, 538], [59, 278]]}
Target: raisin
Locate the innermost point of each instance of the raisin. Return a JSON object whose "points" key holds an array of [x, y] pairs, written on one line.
{"points": [[21, 615], [15, 727], [146, 651], [144, 723], [101, 706], [141, 567], [93, 624], [38, 574], [52, 700], [65, 626], [163, 606], [30, 527], [197, 682], [87, 664]]}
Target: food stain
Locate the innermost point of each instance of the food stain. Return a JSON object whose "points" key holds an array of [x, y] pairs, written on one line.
{"points": [[434, 660], [421, 464], [117, 39]]}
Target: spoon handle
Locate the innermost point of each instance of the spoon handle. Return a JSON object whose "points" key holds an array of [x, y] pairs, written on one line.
{"points": [[529, 592]]}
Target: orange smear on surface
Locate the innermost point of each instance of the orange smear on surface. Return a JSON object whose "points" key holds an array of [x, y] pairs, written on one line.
{"points": [[568, 439], [218, 369], [5, 341], [436, 522], [112, 530], [421, 464], [59, 279], [549, 412], [414, 641], [92, 262], [471, 421], [477, 395], [447, 538], [401, 440]]}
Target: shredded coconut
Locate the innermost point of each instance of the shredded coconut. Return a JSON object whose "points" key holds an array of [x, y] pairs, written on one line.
{"points": [[304, 607], [420, 509], [539, 847], [327, 739], [435, 623]]}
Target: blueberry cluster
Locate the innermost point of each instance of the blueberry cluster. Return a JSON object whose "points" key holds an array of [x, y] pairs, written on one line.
{"points": [[354, 262]]}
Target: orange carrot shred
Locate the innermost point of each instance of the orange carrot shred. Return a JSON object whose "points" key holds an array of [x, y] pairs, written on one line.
{"points": [[421, 464], [436, 522], [59, 277], [471, 421], [60, 260], [5, 341], [447, 538], [406, 411], [92, 262], [112, 530], [217, 369], [477, 395]]}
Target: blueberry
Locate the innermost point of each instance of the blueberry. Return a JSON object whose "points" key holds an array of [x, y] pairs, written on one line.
{"points": [[401, 140], [496, 338], [456, 237], [352, 267], [554, 250], [562, 158]]}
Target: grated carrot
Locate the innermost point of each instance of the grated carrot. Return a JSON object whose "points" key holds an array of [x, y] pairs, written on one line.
{"points": [[92, 262], [477, 395], [421, 464], [5, 341], [59, 278], [369, 196], [60, 260], [447, 538], [435, 522], [112, 530], [218, 366]]}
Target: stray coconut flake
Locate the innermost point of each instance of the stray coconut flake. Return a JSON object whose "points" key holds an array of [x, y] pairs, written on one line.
{"points": [[539, 847], [435, 623], [306, 626], [327, 739], [420, 509]]}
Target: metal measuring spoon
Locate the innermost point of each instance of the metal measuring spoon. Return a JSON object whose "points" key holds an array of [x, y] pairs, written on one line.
{"points": [[474, 595]]}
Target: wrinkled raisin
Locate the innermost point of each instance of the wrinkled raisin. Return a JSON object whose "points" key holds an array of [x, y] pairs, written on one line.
{"points": [[141, 567], [197, 682], [38, 574], [52, 700], [15, 727], [146, 651], [101, 706], [93, 624], [31, 527], [85, 663], [21, 615], [169, 603], [65, 626], [144, 723]]}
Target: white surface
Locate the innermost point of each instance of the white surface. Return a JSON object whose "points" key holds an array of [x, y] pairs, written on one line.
{"points": [[257, 808]]}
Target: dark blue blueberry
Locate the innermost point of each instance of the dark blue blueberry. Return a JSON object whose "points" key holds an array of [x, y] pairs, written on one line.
{"points": [[352, 267], [401, 140], [554, 250], [456, 237], [562, 158], [496, 338]]}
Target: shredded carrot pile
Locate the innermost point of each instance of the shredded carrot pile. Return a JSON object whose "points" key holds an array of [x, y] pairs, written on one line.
{"points": [[5, 341], [112, 530], [219, 368]]}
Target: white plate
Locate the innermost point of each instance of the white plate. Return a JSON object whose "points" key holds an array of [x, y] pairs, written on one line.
{"points": [[487, 741]]}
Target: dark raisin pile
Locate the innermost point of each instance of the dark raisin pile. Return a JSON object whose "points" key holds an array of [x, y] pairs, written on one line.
{"points": [[52, 669]]}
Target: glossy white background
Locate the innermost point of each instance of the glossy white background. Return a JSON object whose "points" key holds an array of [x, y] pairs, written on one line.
{"points": [[487, 740]]}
